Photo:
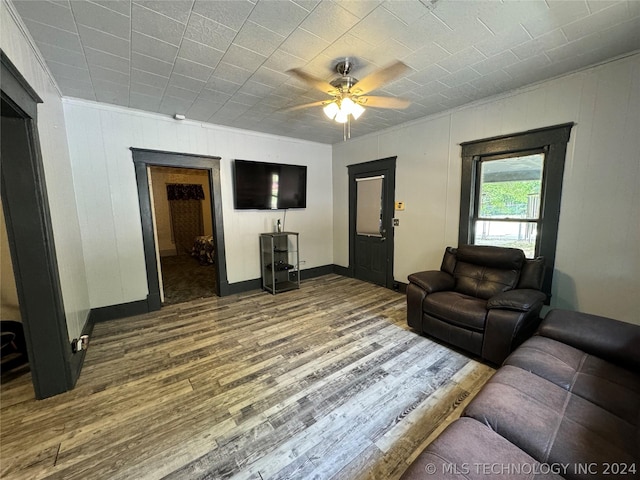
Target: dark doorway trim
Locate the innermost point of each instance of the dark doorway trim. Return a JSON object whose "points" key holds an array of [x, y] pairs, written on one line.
{"points": [[374, 167], [31, 242], [143, 158]]}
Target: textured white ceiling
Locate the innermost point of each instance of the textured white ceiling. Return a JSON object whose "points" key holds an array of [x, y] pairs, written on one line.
{"points": [[225, 62]]}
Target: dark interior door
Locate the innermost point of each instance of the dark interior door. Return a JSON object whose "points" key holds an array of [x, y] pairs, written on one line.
{"points": [[371, 194]]}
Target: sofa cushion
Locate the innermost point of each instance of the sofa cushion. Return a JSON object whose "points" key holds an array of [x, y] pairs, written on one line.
{"points": [[612, 388], [467, 449], [606, 338], [458, 309], [551, 424]]}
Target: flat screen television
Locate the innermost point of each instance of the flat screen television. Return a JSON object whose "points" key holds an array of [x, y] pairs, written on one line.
{"points": [[269, 186]]}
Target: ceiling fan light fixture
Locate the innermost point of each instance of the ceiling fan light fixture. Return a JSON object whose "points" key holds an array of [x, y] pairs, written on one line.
{"points": [[357, 110], [347, 105], [342, 116], [331, 110]]}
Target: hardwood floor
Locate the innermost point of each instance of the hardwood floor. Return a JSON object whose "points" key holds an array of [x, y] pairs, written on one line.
{"points": [[325, 382], [185, 279]]}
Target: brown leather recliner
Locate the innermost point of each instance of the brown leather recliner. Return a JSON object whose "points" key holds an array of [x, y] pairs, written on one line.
{"points": [[485, 300]]}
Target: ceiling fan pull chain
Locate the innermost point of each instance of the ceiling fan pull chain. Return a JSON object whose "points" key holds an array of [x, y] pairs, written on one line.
{"points": [[347, 129]]}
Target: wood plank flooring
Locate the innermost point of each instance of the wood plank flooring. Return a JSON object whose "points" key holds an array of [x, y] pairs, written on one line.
{"points": [[326, 382]]}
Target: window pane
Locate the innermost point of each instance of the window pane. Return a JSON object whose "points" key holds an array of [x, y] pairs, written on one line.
{"points": [[369, 206], [520, 235], [510, 188]]}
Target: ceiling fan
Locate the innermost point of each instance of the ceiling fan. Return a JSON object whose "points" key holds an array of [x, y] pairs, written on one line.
{"points": [[350, 94]]}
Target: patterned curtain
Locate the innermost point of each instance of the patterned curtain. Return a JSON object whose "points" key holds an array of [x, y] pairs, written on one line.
{"points": [[185, 202], [184, 191]]}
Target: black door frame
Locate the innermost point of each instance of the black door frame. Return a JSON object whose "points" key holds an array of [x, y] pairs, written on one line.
{"points": [[143, 158], [386, 166], [54, 368]]}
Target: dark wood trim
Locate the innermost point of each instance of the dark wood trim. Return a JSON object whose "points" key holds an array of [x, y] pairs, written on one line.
{"points": [[344, 271], [113, 312], [123, 310], [174, 159], [245, 286], [144, 158], [315, 272], [31, 241], [553, 140], [17, 89], [256, 283], [401, 287], [386, 166], [515, 142]]}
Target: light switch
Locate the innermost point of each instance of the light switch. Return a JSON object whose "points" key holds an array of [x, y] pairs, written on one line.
{"points": [[399, 205]]}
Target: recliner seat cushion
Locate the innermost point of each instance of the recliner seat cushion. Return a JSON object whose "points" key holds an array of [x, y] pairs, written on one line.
{"points": [[551, 424], [458, 309], [612, 388]]}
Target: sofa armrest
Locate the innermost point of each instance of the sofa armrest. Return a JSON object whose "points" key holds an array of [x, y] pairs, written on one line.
{"points": [[433, 280], [521, 300], [603, 337]]}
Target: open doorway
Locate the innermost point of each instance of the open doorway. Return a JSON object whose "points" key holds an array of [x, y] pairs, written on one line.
{"points": [[53, 367], [183, 225], [144, 160], [14, 358]]}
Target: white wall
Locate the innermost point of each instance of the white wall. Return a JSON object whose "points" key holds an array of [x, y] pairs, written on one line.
{"points": [[597, 266], [16, 45], [99, 140]]}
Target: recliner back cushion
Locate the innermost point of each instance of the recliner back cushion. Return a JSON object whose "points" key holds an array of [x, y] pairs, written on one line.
{"points": [[489, 256], [532, 274], [449, 260], [483, 282], [484, 271]]}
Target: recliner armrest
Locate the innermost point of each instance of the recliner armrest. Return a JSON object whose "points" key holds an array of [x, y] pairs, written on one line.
{"points": [[609, 339], [521, 300], [433, 280]]}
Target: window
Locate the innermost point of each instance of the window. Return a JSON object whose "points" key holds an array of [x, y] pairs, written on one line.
{"points": [[508, 200], [511, 190]]}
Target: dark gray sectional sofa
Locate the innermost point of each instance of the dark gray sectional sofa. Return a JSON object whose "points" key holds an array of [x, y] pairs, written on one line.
{"points": [[565, 404]]}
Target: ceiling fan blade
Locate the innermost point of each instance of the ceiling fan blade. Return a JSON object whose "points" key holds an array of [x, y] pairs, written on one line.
{"points": [[379, 78], [383, 102], [305, 105], [312, 81]]}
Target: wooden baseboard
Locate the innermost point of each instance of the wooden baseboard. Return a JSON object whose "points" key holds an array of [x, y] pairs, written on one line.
{"points": [[112, 312], [244, 286], [316, 272], [344, 271], [400, 286]]}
